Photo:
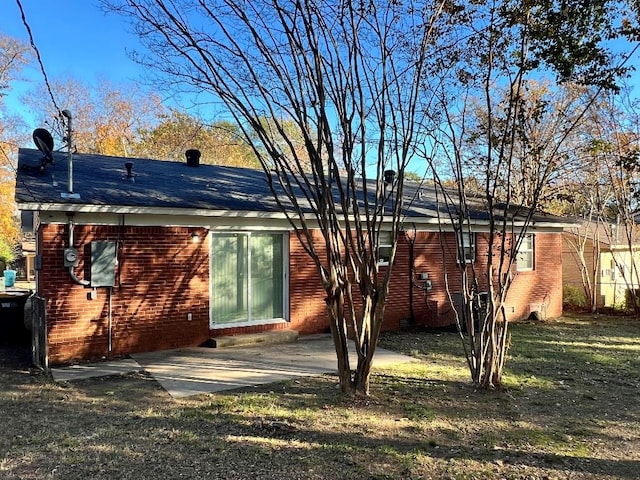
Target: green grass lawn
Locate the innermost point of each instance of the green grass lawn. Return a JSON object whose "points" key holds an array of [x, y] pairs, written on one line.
{"points": [[570, 409]]}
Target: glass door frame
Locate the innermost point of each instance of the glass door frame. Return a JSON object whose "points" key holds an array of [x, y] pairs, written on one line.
{"points": [[285, 279]]}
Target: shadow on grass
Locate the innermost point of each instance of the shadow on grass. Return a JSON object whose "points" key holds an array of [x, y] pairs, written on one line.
{"points": [[414, 425], [94, 430]]}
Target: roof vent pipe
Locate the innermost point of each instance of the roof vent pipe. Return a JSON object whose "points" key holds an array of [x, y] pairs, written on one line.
{"points": [[193, 157], [389, 176], [129, 167], [69, 194]]}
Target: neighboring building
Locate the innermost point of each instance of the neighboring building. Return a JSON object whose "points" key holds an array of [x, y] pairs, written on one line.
{"points": [[158, 255], [581, 261], [595, 251], [24, 263], [620, 275]]}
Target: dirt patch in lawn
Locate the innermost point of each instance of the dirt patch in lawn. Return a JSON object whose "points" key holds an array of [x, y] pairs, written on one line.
{"points": [[570, 410]]}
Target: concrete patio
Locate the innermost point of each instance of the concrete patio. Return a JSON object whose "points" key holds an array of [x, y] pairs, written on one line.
{"points": [[193, 371]]}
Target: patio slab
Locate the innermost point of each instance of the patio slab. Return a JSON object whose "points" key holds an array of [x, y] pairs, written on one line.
{"points": [[193, 371]]}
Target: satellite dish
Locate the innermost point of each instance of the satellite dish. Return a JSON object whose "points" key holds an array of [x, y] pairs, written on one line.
{"points": [[44, 142]]}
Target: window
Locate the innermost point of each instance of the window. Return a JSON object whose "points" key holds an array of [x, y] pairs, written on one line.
{"points": [[609, 273], [247, 271], [525, 256], [468, 240], [385, 245]]}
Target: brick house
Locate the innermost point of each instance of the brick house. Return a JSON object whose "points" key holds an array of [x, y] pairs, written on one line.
{"points": [[146, 255]]}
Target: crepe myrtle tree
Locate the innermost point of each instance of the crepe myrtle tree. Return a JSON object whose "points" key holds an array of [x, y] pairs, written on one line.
{"points": [[495, 135], [348, 76]]}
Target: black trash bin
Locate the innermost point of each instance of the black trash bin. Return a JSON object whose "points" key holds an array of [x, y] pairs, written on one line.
{"points": [[12, 325]]}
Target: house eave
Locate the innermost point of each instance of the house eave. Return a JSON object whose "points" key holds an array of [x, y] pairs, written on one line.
{"points": [[428, 223], [483, 225], [129, 210]]}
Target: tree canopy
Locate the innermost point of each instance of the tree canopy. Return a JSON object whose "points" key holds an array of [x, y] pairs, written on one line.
{"points": [[14, 55], [221, 143]]}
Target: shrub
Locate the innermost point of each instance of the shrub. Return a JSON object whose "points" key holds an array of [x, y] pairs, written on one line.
{"points": [[7, 253], [573, 298]]}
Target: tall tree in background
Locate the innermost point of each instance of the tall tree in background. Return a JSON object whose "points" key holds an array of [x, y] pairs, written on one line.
{"points": [[604, 194], [292, 137], [585, 193], [221, 143], [107, 117], [615, 143], [13, 56], [124, 120], [348, 76], [493, 121]]}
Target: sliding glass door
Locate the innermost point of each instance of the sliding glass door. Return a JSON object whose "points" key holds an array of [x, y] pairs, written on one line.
{"points": [[248, 277]]}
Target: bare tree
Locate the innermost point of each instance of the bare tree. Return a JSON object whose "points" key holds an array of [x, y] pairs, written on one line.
{"points": [[605, 193], [585, 247], [14, 55], [491, 126], [348, 76], [107, 117], [616, 146]]}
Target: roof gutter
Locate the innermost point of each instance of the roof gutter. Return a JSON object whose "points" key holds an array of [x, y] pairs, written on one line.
{"points": [[480, 225], [128, 210]]}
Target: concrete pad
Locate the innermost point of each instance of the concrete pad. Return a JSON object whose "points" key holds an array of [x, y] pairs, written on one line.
{"points": [[92, 370], [247, 339], [194, 371]]}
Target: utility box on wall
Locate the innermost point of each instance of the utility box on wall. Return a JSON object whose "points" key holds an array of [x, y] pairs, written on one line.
{"points": [[103, 263]]}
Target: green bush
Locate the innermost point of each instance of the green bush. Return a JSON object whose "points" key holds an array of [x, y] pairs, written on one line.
{"points": [[7, 253], [573, 297], [631, 299]]}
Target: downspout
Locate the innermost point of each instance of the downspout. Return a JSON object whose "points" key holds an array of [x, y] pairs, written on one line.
{"points": [[110, 320], [412, 270], [411, 279], [73, 276]]}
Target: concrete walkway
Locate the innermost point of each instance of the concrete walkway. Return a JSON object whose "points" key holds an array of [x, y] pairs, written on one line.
{"points": [[192, 371]]}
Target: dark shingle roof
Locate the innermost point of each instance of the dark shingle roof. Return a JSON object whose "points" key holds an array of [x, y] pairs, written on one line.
{"points": [[101, 181]]}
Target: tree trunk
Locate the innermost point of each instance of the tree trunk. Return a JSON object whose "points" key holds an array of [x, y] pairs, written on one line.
{"points": [[339, 334]]}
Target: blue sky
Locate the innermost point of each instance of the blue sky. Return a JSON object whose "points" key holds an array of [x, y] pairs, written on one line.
{"points": [[75, 38]]}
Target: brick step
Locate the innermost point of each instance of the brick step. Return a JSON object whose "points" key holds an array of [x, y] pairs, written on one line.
{"points": [[247, 339]]}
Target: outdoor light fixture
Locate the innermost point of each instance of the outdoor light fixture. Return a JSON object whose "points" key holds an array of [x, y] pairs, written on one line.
{"points": [[195, 238]]}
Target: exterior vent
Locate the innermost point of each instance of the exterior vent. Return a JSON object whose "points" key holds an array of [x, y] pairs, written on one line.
{"points": [[193, 157], [537, 311], [129, 175], [389, 176]]}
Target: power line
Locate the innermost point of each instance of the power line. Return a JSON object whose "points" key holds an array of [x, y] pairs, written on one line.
{"points": [[35, 48]]}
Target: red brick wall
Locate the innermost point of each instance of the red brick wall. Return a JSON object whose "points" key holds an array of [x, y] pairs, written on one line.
{"points": [[307, 296], [432, 308], [541, 285], [544, 283], [162, 276]]}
